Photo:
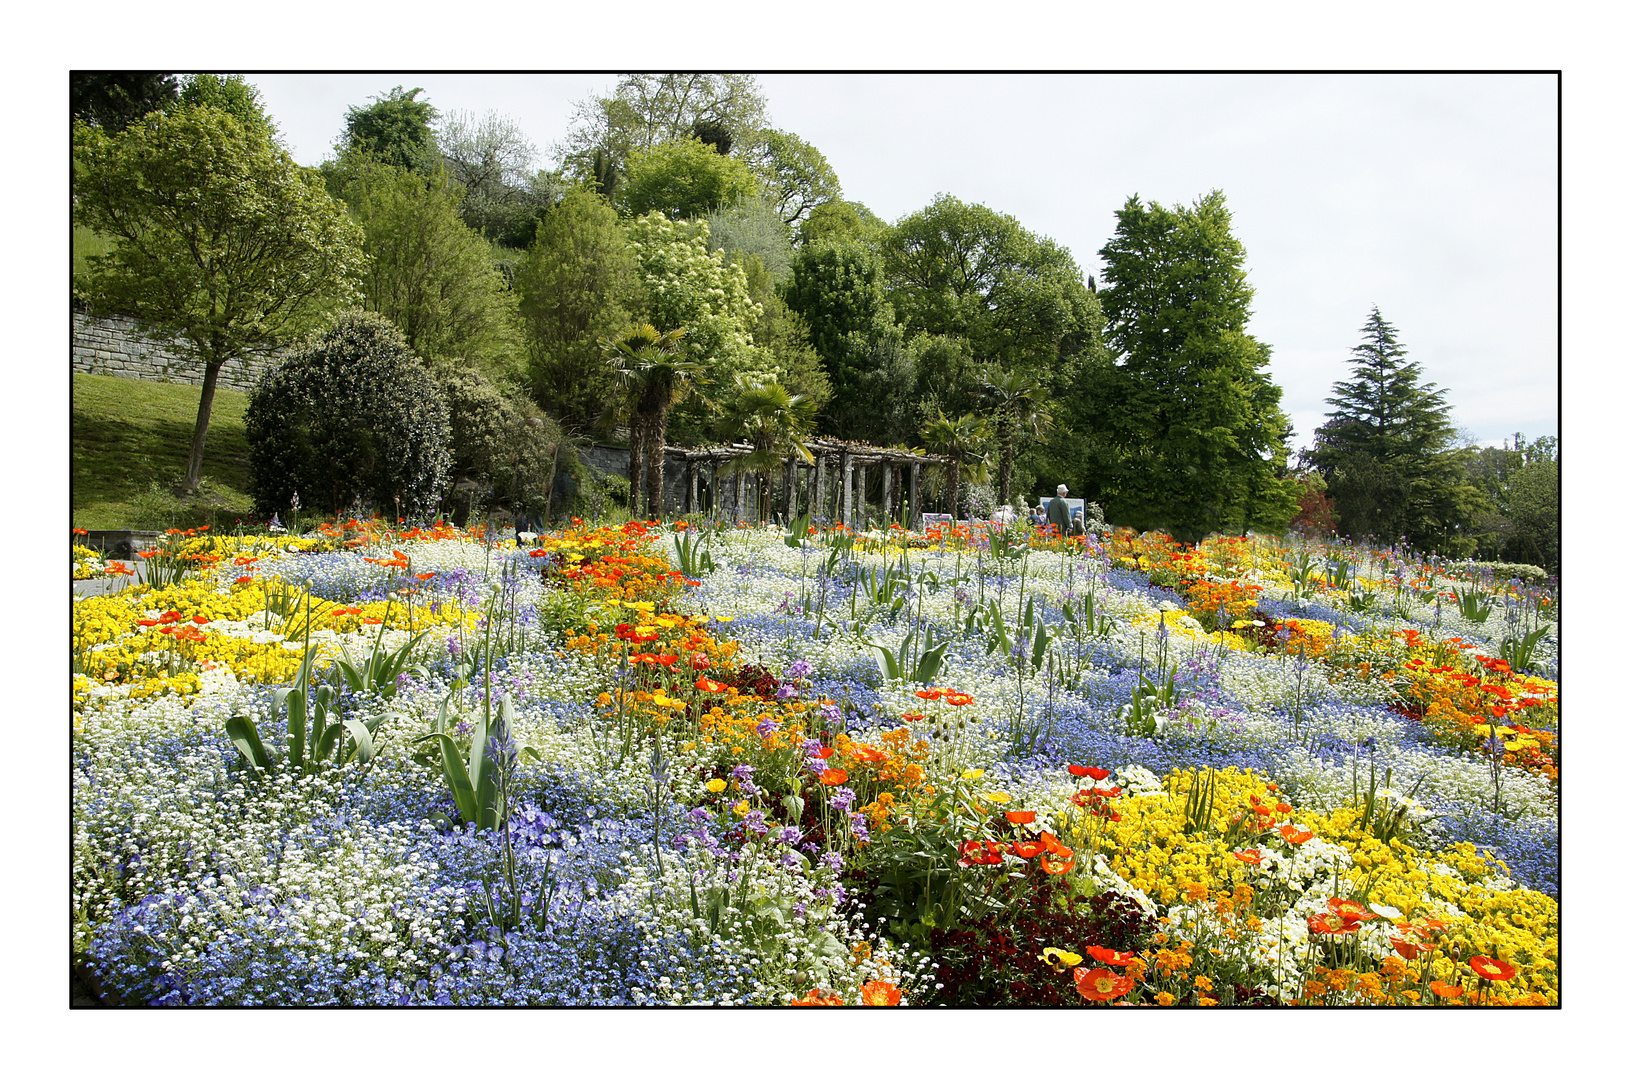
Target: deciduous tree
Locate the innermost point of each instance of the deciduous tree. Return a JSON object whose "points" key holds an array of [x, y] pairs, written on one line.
{"points": [[1195, 435], [683, 179], [395, 129], [218, 239]]}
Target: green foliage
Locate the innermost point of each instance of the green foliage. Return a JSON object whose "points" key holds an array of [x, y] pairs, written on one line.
{"points": [[960, 440], [218, 239], [352, 416], [1015, 402], [752, 227], [429, 274], [837, 289], [644, 111], [1195, 436], [579, 283], [691, 288], [841, 220], [315, 734], [492, 161], [652, 376], [112, 100], [502, 444], [395, 130], [793, 175], [231, 95], [1386, 451], [684, 179], [962, 269]]}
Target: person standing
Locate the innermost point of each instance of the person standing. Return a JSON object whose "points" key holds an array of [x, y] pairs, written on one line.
{"points": [[1059, 512]]}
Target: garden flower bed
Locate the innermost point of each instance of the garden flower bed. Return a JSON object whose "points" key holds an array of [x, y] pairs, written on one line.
{"points": [[677, 764]]}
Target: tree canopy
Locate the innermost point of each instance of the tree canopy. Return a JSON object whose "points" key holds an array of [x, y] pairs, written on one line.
{"points": [[1386, 450], [218, 239], [111, 100], [395, 129], [644, 111], [1193, 436], [686, 178]]}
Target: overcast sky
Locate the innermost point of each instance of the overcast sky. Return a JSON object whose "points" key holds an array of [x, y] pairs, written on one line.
{"points": [[1434, 197]]}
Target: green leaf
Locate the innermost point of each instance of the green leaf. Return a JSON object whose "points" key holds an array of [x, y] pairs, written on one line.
{"points": [[241, 730]]}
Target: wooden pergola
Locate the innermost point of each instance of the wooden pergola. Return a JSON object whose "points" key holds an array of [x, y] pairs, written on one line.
{"points": [[827, 489]]}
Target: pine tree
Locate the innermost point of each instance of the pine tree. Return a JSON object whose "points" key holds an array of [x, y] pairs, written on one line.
{"points": [[1386, 450]]}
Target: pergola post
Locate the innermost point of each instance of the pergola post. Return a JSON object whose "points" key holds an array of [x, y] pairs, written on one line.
{"points": [[792, 486], [742, 483], [912, 494], [848, 467], [818, 505], [691, 485], [889, 490]]}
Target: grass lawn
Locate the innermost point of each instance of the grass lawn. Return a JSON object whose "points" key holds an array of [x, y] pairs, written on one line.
{"points": [[129, 434]]}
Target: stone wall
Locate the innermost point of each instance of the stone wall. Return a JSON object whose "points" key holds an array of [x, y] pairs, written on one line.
{"points": [[115, 345]]}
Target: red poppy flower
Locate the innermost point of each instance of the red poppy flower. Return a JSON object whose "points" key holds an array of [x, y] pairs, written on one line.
{"points": [[956, 697], [825, 752], [147, 622], [1250, 856], [709, 686], [929, 695], [1295, 835], [1488, 968], [1027, 849], [170, 617], [1101, 984], [200, 619], [834, 776], [242, 580], [1077, 770], [699, 662], [1021, 817]]}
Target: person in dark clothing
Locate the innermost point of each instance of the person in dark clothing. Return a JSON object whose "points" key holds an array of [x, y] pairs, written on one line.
{"points": [[1059, 512], [1077, 528]]}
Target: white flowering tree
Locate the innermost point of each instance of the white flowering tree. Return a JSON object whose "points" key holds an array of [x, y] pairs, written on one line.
{"points": [[694, 289]]}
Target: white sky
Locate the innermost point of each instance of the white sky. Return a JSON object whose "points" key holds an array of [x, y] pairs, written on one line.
{"points": [[1434, 197]]}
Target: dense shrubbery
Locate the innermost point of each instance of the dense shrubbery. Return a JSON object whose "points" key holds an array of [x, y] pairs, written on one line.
{"points": [[351, 418], [504, 447]]}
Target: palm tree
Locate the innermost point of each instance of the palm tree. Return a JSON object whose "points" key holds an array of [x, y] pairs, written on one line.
{"points": [[774, 419], [959, 440], [653, 377], [1016, 407]]}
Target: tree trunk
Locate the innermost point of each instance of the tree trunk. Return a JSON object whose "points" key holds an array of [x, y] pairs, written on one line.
{"points": [[637, 461], [1005, 469], [201, 427], [655, 438]]}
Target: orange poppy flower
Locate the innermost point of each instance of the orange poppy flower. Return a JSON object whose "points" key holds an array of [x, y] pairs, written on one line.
{"points": [[242, 580], [1021, 817], [1101, 984], [1296, 835], [1407, 948], [834, 776], [1114, 957], [1061, 866], [1250, 856], [1027, 849], [1349, 909], [200, 619], [709, 686], [699, 662], [1488, 968], [868, 754], [816, 997], [877, 992], [1446, 990], [956, 697], [929, 695], [1329, 922], [425, 577]]}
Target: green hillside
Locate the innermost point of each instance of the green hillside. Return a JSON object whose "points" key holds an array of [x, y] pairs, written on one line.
{"points": [[128, 442]]}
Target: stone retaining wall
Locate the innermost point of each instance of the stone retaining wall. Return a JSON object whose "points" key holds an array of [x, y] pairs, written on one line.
{"points": [[116, 345]]}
